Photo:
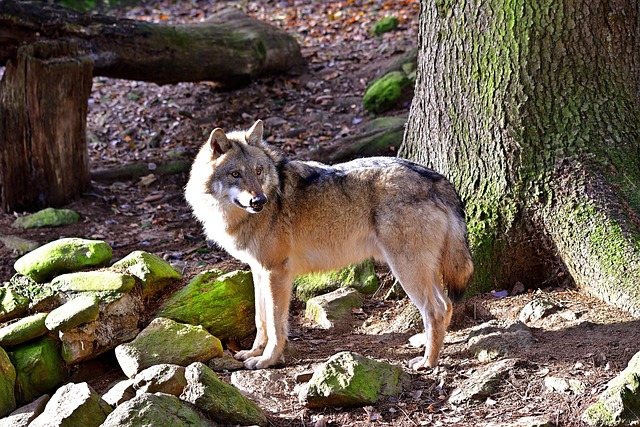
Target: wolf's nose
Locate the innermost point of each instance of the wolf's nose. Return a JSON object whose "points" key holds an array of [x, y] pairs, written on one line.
{"points": [[258, 201]]}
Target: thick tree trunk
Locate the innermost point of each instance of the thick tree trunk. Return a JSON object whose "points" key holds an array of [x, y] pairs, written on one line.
{"points": [[230, 48], [533, 112], [43, 109]]}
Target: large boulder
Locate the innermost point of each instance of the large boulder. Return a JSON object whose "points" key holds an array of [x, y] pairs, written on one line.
{"points": [[222, 303], [63, 256], [348, 379], [39, 368], [73, 405], [219, 400], [152, 272], [158, 409], [167, 341], [7, 383]]}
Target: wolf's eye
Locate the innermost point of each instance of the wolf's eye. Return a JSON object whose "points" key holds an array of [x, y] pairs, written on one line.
{"points": [[259, 170], [235, 174]]}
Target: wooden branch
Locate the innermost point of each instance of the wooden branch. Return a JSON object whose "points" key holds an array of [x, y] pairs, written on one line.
{"points": [[231, 47]]}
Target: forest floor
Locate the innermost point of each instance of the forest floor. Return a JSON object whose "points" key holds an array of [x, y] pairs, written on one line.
{"points": [[142, 122]]}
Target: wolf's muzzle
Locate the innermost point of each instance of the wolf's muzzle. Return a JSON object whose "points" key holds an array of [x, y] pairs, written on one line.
{"points": [[258, 202]]}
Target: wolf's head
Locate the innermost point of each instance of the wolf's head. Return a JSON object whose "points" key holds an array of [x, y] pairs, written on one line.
{"points": [[242, 170]]}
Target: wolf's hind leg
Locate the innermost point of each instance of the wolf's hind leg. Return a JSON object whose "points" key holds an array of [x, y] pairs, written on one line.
{"points": [[421, 285]]}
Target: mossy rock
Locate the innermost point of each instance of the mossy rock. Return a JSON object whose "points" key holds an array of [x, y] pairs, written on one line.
{"points": [[167, 341], [361, 277], [23, 330], [39, 368], [385, 93], [12, 304], [619, 404], [7, 384], [48, 217], [348, 379], [153, 272], [79, 310], [384, 25], [219, 400], [63, 256], [222, 303], [94, 281]]}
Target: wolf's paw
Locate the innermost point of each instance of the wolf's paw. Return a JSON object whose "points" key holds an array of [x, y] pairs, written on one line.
{"points": [[246, 354], [262, 362], [420, 364]]}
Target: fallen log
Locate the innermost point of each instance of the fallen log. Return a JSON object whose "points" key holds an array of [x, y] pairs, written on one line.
{"points": [[230, 48]]}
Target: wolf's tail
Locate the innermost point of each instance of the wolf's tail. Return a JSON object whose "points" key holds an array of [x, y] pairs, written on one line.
{"points": [[456, 265]]}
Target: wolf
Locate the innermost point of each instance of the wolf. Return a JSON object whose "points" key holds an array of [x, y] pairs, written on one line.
{"points": [[286, 218]]}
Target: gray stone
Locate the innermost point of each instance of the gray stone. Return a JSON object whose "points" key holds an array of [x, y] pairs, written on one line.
{"points": [[537, 309], [162, 378], [483, 382], [120, 392], [153, 272], [7, 384], [333, 309], [94, 281], [63, 256], [73, 405], [23, 330], [23, 416], [219, 400], [563, 385], [48, 217], [79, 310], [619, 404], [495, 339], [167, 341], [18, 244], [271, 389], [533, 421], [155, 410], [225, 363], [348, 379]]}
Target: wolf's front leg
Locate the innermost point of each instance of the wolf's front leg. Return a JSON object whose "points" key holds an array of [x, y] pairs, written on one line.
{"points": [[260, 318], [275, 295]]}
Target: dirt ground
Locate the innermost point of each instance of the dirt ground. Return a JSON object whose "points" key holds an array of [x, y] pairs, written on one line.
{"points": [[142, 122]]}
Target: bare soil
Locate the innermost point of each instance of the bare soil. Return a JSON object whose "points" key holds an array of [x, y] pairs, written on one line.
{"points": [[142, 122]]}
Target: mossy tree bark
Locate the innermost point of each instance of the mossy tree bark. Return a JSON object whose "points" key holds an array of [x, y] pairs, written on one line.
{"points": [[532, 109]]}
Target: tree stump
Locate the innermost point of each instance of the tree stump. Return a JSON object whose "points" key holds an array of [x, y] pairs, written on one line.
{"points": [[43, 110]]}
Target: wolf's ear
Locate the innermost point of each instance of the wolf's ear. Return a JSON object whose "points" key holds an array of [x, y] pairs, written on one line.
{"points": [[254, 135], [218, 143]]}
